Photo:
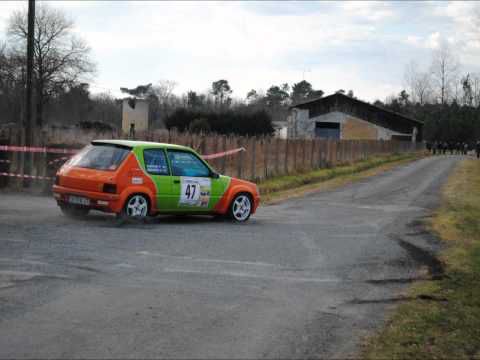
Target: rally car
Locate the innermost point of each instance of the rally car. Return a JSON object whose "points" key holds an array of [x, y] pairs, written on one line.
{"points": [[139, 179]]}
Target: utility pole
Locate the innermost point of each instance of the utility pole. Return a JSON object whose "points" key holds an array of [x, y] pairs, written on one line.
{"points": [[27, 123]]}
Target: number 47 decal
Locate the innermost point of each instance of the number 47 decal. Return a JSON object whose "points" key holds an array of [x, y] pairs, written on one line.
{"points": [[194, 191], [190, 191]]}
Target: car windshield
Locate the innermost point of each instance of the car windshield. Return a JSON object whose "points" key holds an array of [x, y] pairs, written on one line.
{"points": [[100, 157]]}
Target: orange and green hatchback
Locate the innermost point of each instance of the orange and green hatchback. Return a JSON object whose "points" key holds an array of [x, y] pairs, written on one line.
{"points": [[139, 179]]}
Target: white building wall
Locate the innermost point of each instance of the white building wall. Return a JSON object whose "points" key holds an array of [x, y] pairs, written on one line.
{"points": [[300, 125]]}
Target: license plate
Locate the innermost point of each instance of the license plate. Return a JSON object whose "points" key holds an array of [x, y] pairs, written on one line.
{"points": [[78, 200]]}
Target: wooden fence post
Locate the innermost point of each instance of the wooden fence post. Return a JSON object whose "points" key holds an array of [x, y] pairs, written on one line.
{"points": [[327, 152], [202, 144], [277, 151], [224, 159], [190, 140], [342, 151], [295, 155], [304, 153], [312, 154], [321, 153], [22, 158], [240, 159], [253, 140], [215, 148], [44, 164], [266, 154], [331, 152], [286, 156]]}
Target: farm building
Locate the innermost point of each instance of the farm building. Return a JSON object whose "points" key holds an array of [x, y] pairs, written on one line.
{"points": [[134, 112], [342, 117]]}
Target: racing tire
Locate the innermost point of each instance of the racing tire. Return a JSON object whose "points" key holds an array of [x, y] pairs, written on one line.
{"points": [[241, 207], [137, 207], [74, 212]]}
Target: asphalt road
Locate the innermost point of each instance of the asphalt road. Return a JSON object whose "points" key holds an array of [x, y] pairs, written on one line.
{"points": [[305, 278]]}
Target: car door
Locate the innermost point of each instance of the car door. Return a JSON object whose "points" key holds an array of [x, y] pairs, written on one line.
{"points": [[156, 165], [195, 186]]}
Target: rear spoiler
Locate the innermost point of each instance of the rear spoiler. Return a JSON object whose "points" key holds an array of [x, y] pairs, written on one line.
{"points": [[107, 143]]}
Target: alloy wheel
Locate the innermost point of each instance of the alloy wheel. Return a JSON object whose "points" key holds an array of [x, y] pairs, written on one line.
{"points": [[137, 206], [241, 207]]}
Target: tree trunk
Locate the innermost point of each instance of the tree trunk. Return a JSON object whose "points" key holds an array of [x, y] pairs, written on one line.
{"points": [[39, 111]]}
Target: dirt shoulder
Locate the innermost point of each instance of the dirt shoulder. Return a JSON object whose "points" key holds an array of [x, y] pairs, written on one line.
{"points": [[441, 316]]}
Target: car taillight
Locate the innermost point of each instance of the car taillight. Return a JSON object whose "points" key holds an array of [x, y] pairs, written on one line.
{"points": [[110, 188]]}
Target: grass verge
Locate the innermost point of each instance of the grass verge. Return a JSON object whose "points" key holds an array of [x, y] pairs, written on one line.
{"points": [[449, 326], [282, 187]]}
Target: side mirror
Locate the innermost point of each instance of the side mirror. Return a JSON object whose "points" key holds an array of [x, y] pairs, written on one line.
{"points": [[214, 175]]}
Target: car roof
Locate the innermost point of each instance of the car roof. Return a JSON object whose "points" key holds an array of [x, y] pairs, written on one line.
{"points": [[134, 143]]}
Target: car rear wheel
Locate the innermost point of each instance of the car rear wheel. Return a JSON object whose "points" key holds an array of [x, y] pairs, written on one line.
{"points": [[137, 206], [241, 207], [73, 211]]}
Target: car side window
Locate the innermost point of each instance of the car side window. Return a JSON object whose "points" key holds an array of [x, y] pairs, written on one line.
{"points": [[155, 161], [187, 164]]}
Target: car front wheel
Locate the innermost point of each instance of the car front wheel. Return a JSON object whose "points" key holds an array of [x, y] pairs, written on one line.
{"points": [[241, 207]]}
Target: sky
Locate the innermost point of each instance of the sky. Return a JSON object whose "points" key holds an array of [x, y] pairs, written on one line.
{"points": [[360, 45]]}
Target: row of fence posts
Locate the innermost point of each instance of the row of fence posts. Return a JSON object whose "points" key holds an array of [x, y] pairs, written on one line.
{"points": [[268, 156], [263, 156]]}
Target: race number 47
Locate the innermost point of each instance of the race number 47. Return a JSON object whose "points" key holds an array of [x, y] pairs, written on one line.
{"points": [[194, 191], [190, 191]]}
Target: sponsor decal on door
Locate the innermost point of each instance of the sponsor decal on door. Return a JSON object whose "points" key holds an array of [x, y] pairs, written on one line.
{"points": [[195, 191]]}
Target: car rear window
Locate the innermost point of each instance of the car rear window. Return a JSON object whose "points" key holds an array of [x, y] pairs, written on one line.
{"points": [[100, 157], [155, 161]]}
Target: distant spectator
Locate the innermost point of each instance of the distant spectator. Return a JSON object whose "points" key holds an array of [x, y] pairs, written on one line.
{"points": [[131, 134], [451, 147]]}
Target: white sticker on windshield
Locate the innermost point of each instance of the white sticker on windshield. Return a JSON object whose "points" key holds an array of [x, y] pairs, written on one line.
{"points": [[194, 191]]}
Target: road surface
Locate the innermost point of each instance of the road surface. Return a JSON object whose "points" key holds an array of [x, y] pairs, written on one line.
{"points": [[309, 277]]}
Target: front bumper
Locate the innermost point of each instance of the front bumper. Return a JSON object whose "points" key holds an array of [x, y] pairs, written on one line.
{"points": [[99, 201]]}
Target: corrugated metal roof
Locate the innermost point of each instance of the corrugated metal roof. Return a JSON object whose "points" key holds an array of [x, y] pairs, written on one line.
{"points": [[348, 98]]}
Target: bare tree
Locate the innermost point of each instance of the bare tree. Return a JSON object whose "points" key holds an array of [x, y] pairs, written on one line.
{"points": [[423, 87], [162, 101], [444, 69], [475, 80], [12, 81], [61, 59], [419, 83], [164, 91], [12, 68]]}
